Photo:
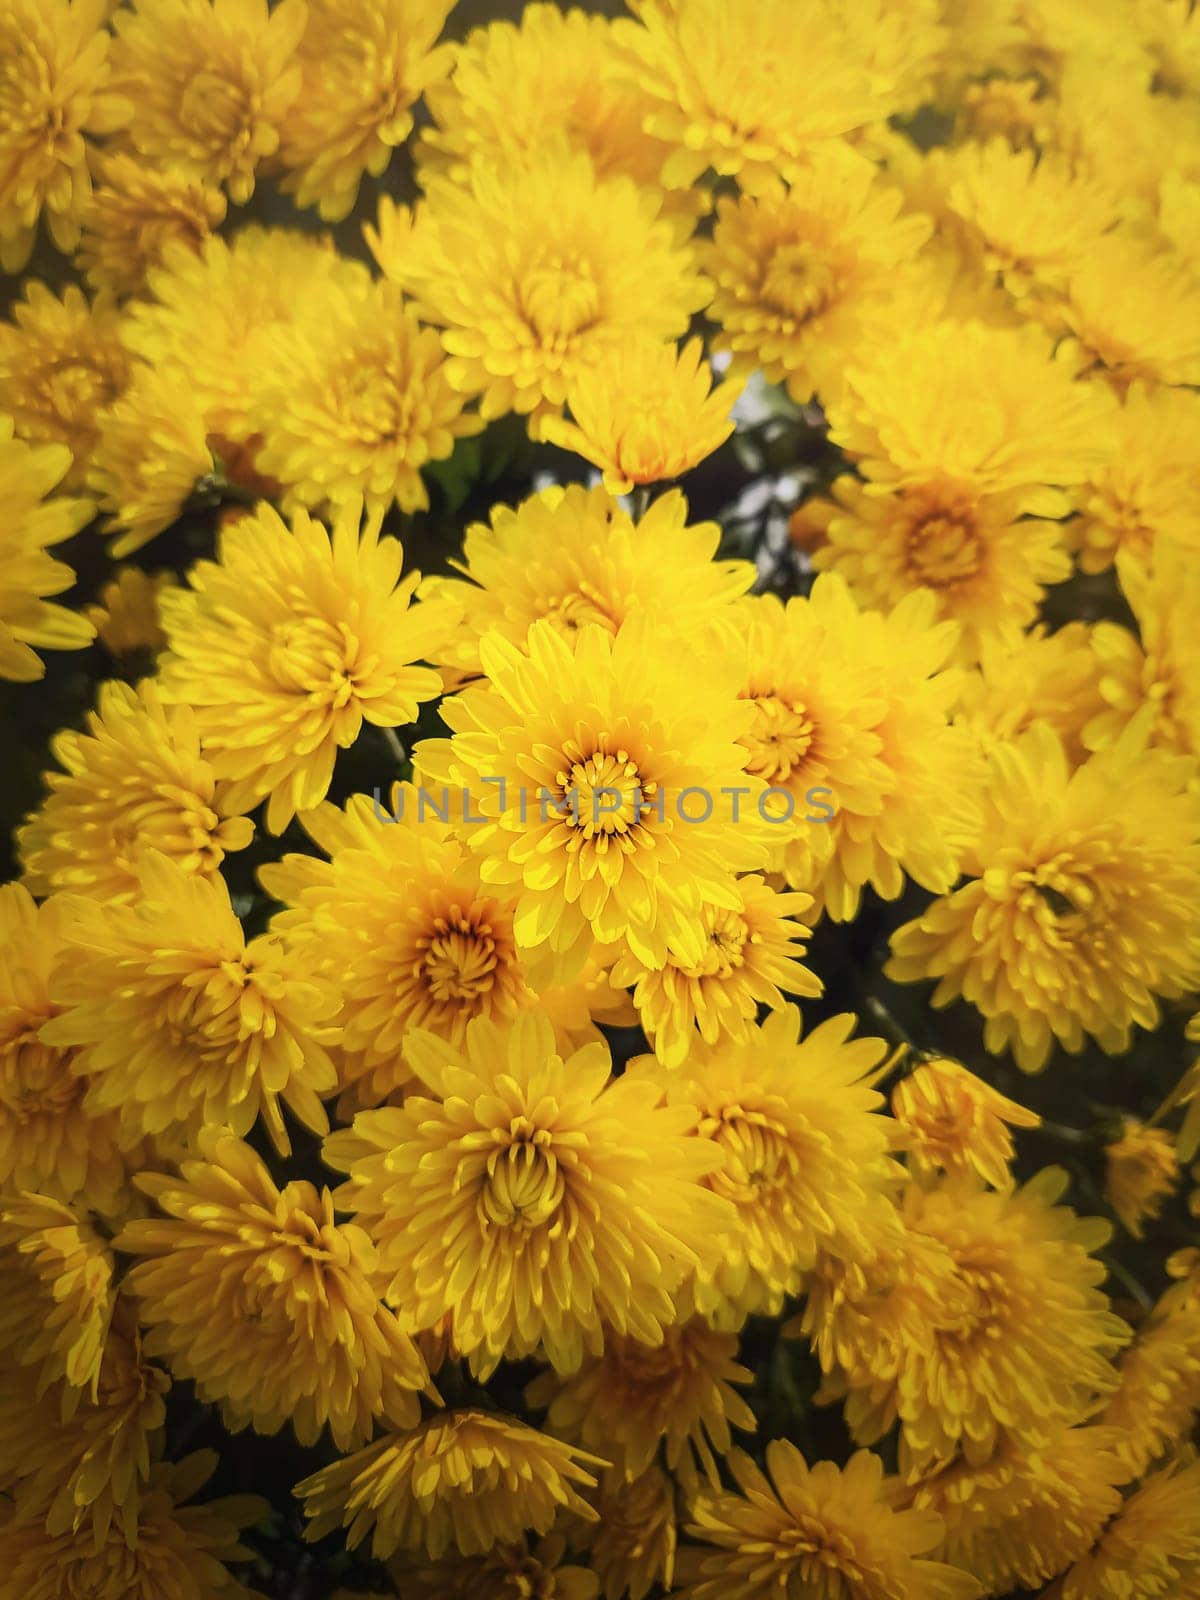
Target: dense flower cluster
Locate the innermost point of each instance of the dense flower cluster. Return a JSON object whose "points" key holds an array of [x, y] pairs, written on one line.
{"points": [[550, 1037]]}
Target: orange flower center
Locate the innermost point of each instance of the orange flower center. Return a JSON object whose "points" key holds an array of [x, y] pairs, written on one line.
{"points": [[524, 1184], [458, 960], [606, 792], [943, 547], [799, 280], [756, 1150], [725, 948]]}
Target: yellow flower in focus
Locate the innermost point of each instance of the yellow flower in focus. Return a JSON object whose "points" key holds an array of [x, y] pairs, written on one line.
{"points": [[54, 89], [180, 1022], [522, 1172], [357, 403], [61, 364], [126, 615], [466, 1480], [535, 270], [1080, 912], [507, 1572], [59, 1291], [573, 556], [824, 1531], [721, 79], [31, 522], [365, 64], [1151, 1547], [632, 1544], [752, 953], [211, 82], [801, 1153], [48, 1140], [1036, 676], [287, 643], [645, 413], [954, 1122], [135, 780], [1141, 1170], [634, 1397], [137, 212], [266, 1303], [151, 452], [178, 1550], [803, 272]]}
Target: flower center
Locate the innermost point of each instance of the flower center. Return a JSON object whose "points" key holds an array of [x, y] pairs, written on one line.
{"points": [[756, 1150], [560, 298], [215, 112], [458, 960], [607, 789], [944, 549], [1062, 900], [725, 947], [312, 655], [799, 280], [582, 607], [779, 739], [524, 1184], [35, 1080]]}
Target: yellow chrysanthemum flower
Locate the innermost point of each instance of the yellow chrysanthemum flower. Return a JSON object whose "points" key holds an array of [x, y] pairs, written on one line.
{"points": [[804, 272], [179, 1550], [365, 64], [507, 1572], [32, 521], [1141, 1170], [1032, 677], [824, 1531], [985, 558], [266, 1303], [1148, 489], [48, 1140], [125, 616], [634, 1397], [645, 413], [536, 269], [136, 214], [54, 89], [180, 1022], [59, 1292], [357, 403], [135, 780], [615, 796], [521, 1174], [800, 1153], [721, 81], [572, 556], [287, 643], [954, 1122], [1155, 1407], [151, 452], [61, 364], [1080, 910], [211, 81], [1151, 1548], [466, 1480], [752, 955], [632, 1544], [1015, 109]]}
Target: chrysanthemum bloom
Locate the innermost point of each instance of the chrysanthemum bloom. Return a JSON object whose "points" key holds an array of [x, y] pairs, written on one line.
{"points": [[134, 780], [465, 1480], [721, 78], [823, 1531], [954, 1122], [615, 796], [751, 958], [364, 66], [1017, 109], [1013, 1335], [180, 1550], [126, 615], [151, 452], [1022, 1517], [288, 643], [1154, 1409], [1148, 489], [356, 404], [535, 269], [507, 1572], [180, 1022], [572, 556], [803, 272], [32, 521], [211, 82], [1140, 1170], [61, 363], [1037, 676], [801, 1152], [1080, 912], [644, 413], [136, 212], [59, 1291], [400, 924], [75, 1461], [631, 1546], [521, 1178], [54, 89], [1151, 1547], [48, 1141], [264, 1301], [633, 1397]]}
